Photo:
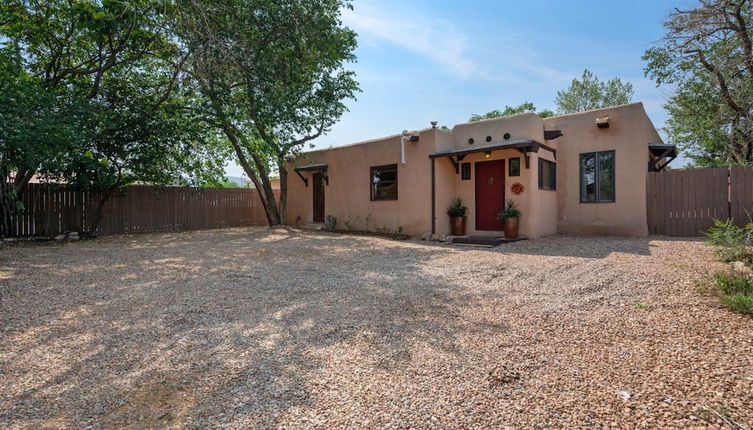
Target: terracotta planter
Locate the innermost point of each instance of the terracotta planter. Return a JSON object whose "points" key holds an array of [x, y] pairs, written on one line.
{"points": [[511, 228], [457, 225]]}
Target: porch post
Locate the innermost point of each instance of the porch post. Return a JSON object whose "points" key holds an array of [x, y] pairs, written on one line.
{"points": [[433, 199]]}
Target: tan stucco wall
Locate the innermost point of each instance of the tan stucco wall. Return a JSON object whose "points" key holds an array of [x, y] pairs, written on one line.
{"points": [[630, 131], [545, 212], [348, 197]]}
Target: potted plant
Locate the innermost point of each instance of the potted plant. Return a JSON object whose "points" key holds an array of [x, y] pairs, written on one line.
{"points": [[457, 211], [511, 217]]}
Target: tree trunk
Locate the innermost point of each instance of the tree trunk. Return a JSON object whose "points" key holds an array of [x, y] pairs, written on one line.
{"points": [[7, 225], [98, 211], [283, 172]]}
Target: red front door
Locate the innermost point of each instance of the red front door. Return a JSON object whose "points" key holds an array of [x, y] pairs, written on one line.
{"points": [[490, 194]]}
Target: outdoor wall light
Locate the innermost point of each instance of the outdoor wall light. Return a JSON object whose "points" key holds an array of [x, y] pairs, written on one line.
{"points": [[470, 141], [488, 154], [506, 136], [488, 138]]}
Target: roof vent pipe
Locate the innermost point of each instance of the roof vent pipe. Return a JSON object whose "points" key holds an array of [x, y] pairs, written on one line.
{"points": [[403, 136]]}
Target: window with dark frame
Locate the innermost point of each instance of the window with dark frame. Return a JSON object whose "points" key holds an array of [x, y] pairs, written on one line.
{"points": [[384, 182], [465, 171], [597, 174], [547, 174], [514, 167]]}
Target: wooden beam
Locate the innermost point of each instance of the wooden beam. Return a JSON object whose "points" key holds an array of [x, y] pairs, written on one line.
{"points": [[305, 181]]}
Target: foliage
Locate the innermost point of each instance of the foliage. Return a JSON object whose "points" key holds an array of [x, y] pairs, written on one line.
{"points": [[735, 292], [330, 222], [110, 72], [511, 110], [511, 210], [740, 303], [732, 242], [457, 208], [272, 76], [706, 55], [218, 183], [36, 128], [591, 93]]}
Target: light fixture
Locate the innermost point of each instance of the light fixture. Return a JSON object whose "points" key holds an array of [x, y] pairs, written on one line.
{"points": [[488, 154], [434, 124]]}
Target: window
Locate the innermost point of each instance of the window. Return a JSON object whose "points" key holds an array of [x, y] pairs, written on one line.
{"points": [[547, 175], [597, 177], [465, 171], [384, 182], [514, 168]]}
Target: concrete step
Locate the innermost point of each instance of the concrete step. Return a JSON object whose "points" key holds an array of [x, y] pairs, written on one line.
{"points": [[318, 226]]}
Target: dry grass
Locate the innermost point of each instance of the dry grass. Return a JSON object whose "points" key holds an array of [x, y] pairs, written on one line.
{"points": [[253, 328]]}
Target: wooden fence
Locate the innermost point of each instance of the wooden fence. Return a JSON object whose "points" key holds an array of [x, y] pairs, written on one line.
{"points": [[685, 202], [50, 211]]}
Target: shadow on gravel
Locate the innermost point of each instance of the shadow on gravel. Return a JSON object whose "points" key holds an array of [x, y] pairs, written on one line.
{"points": [[198, 328], [596, 247]]}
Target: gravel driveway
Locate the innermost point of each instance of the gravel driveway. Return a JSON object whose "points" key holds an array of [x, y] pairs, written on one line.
{"points": [[252, 328]]}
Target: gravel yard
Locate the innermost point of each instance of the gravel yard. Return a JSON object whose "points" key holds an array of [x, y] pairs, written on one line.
{"points": [[253, 328]]}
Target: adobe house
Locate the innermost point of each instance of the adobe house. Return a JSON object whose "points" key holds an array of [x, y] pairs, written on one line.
{"points": [[582, 173]]}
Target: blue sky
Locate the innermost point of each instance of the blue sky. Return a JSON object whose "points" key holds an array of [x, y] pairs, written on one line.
{"points": [[420, 60]]}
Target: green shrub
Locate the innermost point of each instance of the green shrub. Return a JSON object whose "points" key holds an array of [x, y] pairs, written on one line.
{"points": [[330, 222], [739, 303], [510, 211], [733, 284], [735, 291], [731, 241], [457, 208]]}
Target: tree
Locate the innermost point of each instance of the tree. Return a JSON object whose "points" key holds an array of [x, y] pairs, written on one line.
{"points": [[141, 134], [590, 93], [511, 110], [118, 62], [66, 54], [707, 55], [273, 78], [36, 128]]}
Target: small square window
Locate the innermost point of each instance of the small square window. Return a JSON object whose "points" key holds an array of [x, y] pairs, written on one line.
{"points": [[465, 171], [384, 182], [547, 175], [514, 167]]}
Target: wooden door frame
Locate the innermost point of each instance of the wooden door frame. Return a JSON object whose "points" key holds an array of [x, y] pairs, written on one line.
{"points": [[475, 185], [318, 181]]}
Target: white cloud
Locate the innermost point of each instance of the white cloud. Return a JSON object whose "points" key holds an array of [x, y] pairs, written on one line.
{"points": [[433, 38]]}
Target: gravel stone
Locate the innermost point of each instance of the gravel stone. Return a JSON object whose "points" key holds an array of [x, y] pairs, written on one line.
{"points": [[259, 328]]}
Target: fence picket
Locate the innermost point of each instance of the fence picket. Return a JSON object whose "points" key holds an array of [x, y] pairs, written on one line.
{"points": [[685, 202], [50, 210]]}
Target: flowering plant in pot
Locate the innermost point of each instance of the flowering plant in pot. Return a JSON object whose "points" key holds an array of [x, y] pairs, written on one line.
{"points": [[511, 217], [457, 211]]}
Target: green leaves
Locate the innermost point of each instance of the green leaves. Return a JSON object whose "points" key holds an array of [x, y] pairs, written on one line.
{"points": [[591, 93], [706, 56], [511, 110], [272, 74]]}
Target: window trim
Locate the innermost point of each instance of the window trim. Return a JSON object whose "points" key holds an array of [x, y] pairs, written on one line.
{"points": [[465, 172], [371, 182], [509, 167], [597, 177], [542, 162]]}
